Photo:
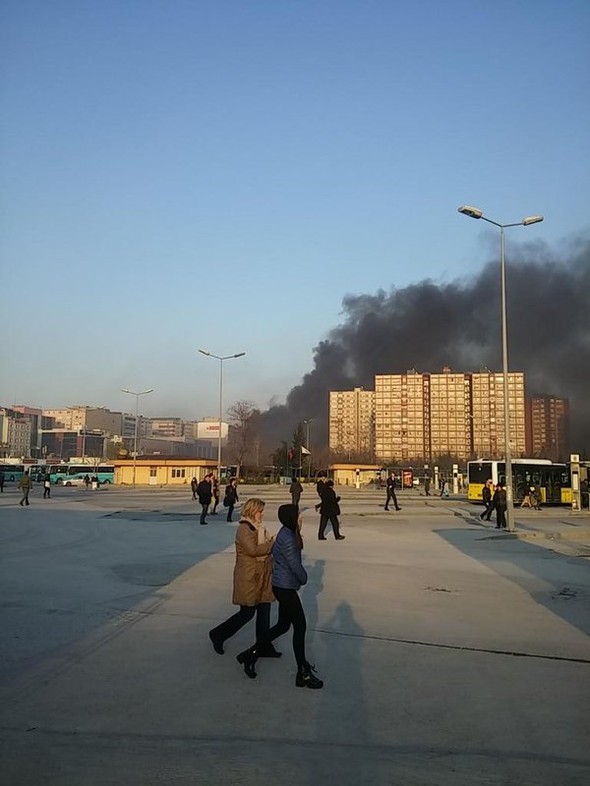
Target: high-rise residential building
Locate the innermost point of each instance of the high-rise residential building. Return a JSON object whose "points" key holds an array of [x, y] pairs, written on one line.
{"points": [[548, 427], [402, 416], [15, 433], [423, 416], [487, 410], [450, 415], [166, 427], [352, 422]]}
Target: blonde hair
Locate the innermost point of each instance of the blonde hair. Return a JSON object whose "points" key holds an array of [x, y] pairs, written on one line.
{"points": [[252, 507]]}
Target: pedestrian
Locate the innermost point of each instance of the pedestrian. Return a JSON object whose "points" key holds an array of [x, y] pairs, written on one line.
{"points": [[25, 486], [499, 500], [252, 580], [319, 487], [231, 497], [445, 489], [296, 490], [535, 494], [194, 484], [1, 481], [487, 493], [329, 511], [87, 481], [288, 575], [204, 494], [427, 486], [47, 487], [215, 493], [391, 482]]}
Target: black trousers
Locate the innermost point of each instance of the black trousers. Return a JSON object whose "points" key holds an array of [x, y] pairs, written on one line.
{"points": [[488, 511], [333, 521], [204, 511], [290, 613], [391, 495], [46, 492], [230, 510], [237, 621], [215, 504], [501, 517]]}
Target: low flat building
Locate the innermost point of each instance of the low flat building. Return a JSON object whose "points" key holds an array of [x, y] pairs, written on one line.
{"points": [[159, 471]]}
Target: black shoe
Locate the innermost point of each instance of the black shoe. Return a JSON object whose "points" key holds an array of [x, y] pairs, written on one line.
{"points": [[203, 523], [498, 526], [321, 537], [340, 537], [217, 645], [398, 508], [248, 660], [307, 679], [385, 508], [229, 520], [269, 652], [213, 513]]}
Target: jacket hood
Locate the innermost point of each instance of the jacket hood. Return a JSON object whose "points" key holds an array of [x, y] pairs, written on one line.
{"points": [[288, 515]]}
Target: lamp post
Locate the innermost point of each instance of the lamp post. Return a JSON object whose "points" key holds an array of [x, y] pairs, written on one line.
{"points": [[307, 422], [220, 359], [475, 212], [137, 395]]}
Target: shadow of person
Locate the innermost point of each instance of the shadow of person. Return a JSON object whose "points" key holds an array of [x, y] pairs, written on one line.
{"points": [[311, 591]]}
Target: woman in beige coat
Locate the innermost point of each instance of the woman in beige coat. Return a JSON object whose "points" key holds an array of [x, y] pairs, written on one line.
{"points": [[252, 579]]}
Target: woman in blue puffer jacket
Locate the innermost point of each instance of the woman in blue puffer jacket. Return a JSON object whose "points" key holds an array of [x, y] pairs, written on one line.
{"points": [[288, 575]]}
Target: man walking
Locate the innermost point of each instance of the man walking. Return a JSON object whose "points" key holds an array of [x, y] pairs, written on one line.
{"points": [[205, 493], [295, 490], [47, 487], [25, 486], [391, 492], [486, 494]]}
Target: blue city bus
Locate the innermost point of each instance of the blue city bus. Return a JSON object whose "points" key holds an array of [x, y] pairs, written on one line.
{"points": [[64, 474], [12, 472]]}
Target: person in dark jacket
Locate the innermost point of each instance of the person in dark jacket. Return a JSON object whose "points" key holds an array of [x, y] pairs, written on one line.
{"points": [[194, 484], [295, 490], [486, 495], [215, 493], [204, 493], [499, 502], [231, 497], [391, 492], [329, 511], [320, 487], [288, 574]]}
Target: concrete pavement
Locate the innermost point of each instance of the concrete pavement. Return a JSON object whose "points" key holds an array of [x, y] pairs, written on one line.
{"points": [[450, 653]]}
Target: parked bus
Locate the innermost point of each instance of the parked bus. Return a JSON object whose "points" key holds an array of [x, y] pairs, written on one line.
{"points": [[12, 472], [552, 480], [64, 474]]}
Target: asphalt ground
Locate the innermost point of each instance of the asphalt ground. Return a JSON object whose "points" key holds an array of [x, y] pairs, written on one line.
{"points": [[451, 653]]}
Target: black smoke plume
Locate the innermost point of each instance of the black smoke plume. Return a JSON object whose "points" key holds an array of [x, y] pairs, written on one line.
{"points": [[427, 326]]}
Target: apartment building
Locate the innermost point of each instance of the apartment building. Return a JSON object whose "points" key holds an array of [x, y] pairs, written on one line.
{"points": [[402, 416], [352, 414], [166, 427], [487, 411], [548, 427], [450, 415], [423, 416], [15, 433]]}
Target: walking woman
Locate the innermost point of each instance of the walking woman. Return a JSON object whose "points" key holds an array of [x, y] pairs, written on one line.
{"points": [[288, 574], [252, 580], [231, 497], [329, 511]]}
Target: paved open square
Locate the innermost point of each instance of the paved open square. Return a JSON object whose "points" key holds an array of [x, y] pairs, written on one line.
{"points": [[450, 654]]}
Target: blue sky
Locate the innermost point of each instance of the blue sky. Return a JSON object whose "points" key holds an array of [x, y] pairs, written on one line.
{"points": [[188, 174]]}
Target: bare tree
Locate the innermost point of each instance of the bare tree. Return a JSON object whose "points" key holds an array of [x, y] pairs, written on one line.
{"points": [[242, 418]]}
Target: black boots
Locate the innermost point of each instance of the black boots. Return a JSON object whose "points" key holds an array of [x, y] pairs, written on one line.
{"points": [[268, 652], [307, 679], [248, 659], [217, 645]]}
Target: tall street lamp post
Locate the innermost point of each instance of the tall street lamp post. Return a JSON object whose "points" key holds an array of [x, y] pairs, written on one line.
{"points": [[307, 422], [220, 359], [475, 212], [137, 395]]}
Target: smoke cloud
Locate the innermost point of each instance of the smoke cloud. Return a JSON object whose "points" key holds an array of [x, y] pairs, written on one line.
{"points": [[427, 326]]}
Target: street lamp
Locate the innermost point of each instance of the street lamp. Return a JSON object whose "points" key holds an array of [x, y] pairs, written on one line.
{"points": [[137, 395], [475, 212], [307, 422], [220, 359]]}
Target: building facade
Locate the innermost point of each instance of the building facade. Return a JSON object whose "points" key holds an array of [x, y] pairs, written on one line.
{"points": [[95, 418], [352, 418], [548, 427], [423, 416]]}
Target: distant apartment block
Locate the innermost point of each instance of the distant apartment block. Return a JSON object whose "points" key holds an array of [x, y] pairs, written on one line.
{"points": [[81, 417], [352, 414], [15, 433], [548, 427], [423, 416]]}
